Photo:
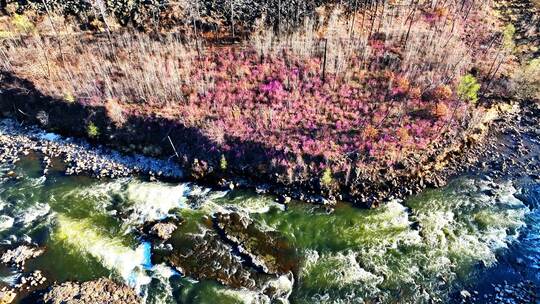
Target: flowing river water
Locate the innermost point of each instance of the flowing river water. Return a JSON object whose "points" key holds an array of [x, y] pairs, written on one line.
{"points": [[475, 236]]}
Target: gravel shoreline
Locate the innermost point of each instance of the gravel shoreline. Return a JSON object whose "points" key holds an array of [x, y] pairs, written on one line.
{"points": [[80, 157]]}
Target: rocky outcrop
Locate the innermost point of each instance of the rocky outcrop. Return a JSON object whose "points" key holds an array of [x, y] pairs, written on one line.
{"points": [[18, 256], [210, 258], [163, 230], [266, 249], [99, 291], [159, 232]]}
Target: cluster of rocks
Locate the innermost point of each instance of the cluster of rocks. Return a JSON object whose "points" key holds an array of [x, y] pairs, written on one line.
{"points": [[90, 14], [31, 285], [29, 281], [230, 249], [78, 155], [25, 284], [515, 153], [525, 16], [212, 258], [98, 291], [221, 15], [522, 292], [17, 257]]}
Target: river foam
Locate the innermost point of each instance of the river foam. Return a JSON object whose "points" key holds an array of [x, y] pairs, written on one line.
{"points": [[129, 261], [6, 222], [415, 249], [153, 201]]}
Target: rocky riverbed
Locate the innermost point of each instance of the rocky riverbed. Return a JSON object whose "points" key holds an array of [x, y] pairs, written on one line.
{"points": [[98, 291], [26, 281]]}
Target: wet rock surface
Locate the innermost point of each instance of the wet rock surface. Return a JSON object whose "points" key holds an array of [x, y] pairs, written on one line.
{"points": [[208, 257], [266, 249], [25, 284], [29, 281], [99, 291]]}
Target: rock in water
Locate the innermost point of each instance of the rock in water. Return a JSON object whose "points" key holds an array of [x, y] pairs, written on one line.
{"points": [[7, 297], [18, 256], [163, 230], [267, 249], [212, 259], [99, 291]]}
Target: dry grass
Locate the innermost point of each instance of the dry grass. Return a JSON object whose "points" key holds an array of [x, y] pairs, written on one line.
{"points": [[432, 50], [432, 46]]}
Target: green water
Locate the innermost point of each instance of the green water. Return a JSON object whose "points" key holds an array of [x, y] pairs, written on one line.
{"points": [[417, 251], [376, 254]]}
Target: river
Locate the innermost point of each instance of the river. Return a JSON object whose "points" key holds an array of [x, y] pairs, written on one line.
{"points": [[470, 240]]}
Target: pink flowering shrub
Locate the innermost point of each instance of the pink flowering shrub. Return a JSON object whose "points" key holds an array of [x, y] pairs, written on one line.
{"points": [[283, 104]]}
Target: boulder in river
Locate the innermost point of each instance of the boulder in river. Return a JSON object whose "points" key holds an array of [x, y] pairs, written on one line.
{"points": [[163, 230], [160, 231], [99, 291], [210, 258], [267, 249]]}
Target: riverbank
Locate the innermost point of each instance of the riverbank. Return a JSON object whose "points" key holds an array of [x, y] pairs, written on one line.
{"points": [[162, 137], [510, 149], [446, 237], [78, 156], [360, 112]]}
